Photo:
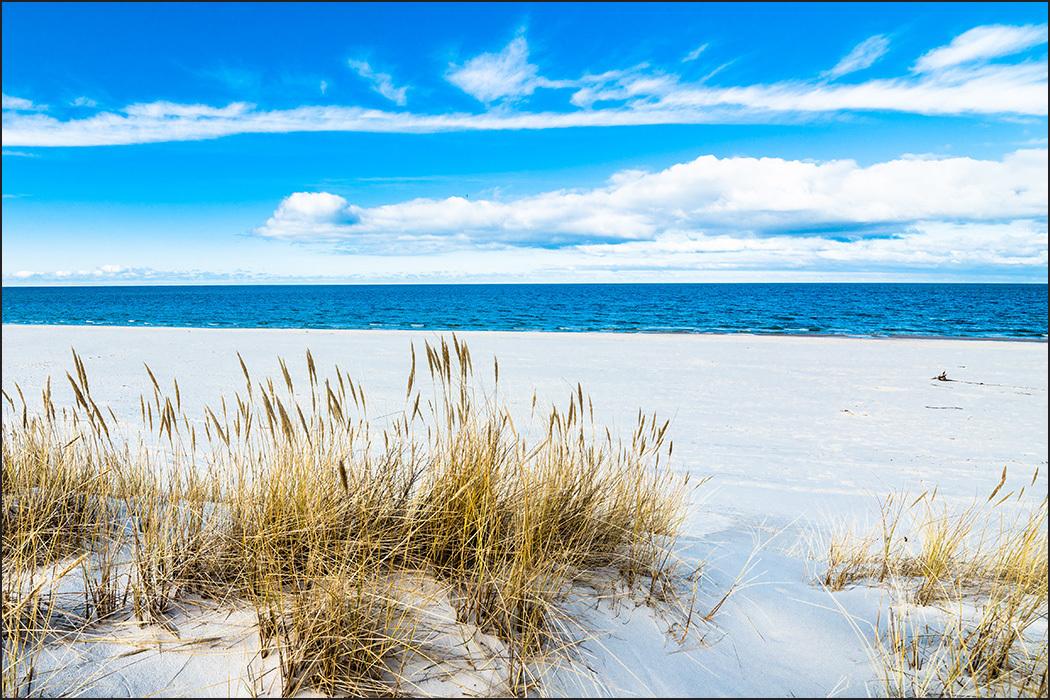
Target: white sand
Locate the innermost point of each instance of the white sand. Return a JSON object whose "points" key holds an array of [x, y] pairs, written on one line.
{"points": [[798, 433]]}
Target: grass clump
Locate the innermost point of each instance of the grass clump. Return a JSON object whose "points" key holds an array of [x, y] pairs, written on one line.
{"points": [[343, 634], [292, 500], [972, 594]]}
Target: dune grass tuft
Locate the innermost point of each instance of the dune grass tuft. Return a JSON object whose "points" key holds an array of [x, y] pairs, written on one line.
{"points": [[290, 499], [971, 614]]}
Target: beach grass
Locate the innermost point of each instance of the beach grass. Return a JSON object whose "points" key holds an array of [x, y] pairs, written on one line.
{"points": [[291, 500], [969, 615]]}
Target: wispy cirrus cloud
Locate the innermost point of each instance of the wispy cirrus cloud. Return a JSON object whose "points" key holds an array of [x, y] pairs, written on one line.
{"points": [[633, 84], [493, 76], [983, 43], [383, 83], [993, 89], [19, 104], [504, 75], [695, 53], [863, 55], [960, 82], [1016, 89]]}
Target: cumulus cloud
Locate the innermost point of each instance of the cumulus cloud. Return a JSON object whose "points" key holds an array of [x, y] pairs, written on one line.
{"points": [[382, 83], [983, 43], [862, 56], [737, 197], [317, 215], [83, 101]]}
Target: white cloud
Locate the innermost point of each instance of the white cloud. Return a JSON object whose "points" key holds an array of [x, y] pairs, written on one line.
{"points": [[1016, 89], [694, 54], [324, 87], [494, 76], [83, 102], [715, 71], [508, 76], [19, 104], [1014, 250], [628, 97], [992, 89], [923, 245], [382, 83], [189, 112], [982, 43], [862, 56], [116, 274], [100, 272], [709, 196], [620, 85], [1019, 242], [311, 214]]}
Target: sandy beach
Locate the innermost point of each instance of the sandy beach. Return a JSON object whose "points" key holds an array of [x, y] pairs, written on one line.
{"points": [[798, 434], [774, 418]]}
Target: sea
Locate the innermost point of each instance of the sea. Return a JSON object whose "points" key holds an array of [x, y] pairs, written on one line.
{"points": [[1003, 311]]}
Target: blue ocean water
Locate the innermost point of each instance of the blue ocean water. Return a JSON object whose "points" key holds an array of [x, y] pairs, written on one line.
{"points": [[945, 310]]}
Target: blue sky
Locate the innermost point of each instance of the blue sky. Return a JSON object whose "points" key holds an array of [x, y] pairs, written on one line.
{"points": [[373, 143]]}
